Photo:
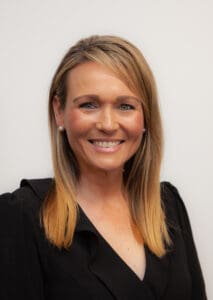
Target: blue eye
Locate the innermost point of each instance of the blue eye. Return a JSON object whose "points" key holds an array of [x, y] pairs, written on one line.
{"points": [[126, 106], [88, 105]]}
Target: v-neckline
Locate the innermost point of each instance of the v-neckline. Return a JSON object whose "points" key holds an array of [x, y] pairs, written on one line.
{"points": [[114, 252]]}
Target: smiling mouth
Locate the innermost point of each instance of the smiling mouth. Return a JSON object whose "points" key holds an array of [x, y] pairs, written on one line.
{"points": [[105, 144]]}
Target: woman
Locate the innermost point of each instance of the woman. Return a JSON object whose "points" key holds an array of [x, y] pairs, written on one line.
{"points": [[104, 227]]}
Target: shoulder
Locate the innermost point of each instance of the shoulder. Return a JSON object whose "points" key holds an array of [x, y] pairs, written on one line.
{"points": [[173, 205], [177, 217], [182, 236], [36, 188], [22, 240], [170, 196], [24, 201], [29, 190]]}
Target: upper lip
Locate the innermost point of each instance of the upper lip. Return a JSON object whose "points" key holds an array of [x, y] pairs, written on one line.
{"points": [[106, 140]]}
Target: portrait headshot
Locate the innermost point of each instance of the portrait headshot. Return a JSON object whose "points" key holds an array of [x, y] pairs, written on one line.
{"points": [[105, 150]]}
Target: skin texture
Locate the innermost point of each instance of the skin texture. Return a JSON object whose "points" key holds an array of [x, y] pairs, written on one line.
{"points": [[100, 107]]}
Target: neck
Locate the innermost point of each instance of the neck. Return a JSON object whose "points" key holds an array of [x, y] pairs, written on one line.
{"points": [[101, 188]]}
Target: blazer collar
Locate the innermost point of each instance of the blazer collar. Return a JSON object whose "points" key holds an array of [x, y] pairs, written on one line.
{"points": [[84, 224], [39, 186], [109, 268]]}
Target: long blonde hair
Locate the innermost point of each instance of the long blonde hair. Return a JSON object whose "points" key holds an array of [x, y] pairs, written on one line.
{"points": [[142, 171]]}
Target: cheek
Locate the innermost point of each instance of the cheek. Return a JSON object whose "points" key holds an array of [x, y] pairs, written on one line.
{"points": [[75, 124], [135, 126]]}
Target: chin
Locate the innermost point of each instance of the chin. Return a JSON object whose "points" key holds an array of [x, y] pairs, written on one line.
{"points": [[110, 168], [102, 165]]}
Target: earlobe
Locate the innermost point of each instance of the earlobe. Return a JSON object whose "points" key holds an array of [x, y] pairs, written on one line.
{"points": [[58, 112]]}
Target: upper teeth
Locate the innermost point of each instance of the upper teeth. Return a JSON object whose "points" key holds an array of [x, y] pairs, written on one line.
{"points": [[105, 144]]}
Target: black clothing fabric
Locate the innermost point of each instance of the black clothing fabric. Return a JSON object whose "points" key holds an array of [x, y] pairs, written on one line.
{"points": [[32, 268]]}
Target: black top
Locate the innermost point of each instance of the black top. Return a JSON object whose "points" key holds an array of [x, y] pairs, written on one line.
{"points": [[33, 269]]}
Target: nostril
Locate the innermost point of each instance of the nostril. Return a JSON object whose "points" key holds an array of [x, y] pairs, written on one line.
{"points": [[107, 126]]}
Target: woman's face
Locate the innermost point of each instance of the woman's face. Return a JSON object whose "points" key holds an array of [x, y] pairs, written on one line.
{"points": [[103, 119]]}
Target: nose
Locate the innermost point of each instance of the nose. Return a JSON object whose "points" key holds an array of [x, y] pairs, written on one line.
{"points": [[107, 121]]}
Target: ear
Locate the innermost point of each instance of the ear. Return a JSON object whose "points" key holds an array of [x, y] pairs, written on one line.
{"points": [[58, 111]]}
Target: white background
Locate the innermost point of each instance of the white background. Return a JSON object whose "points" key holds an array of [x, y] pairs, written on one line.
{"points": [[176, 37]]}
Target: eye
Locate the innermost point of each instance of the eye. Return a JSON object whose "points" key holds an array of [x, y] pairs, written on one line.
{"points": [[88, 105], [126, 106]]}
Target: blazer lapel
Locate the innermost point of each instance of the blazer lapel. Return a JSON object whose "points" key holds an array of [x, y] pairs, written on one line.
{"points": [[110, 269], [117, 276]]}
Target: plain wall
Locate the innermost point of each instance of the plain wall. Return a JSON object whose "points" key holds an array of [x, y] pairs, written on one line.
{"points": [[176, 37]]}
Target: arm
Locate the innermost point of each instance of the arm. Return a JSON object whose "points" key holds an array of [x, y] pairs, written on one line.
{"points": [[20, 270], [198, 285]]}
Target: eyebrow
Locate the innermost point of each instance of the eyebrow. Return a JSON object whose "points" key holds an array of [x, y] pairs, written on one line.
{"points": [[97, 98]]}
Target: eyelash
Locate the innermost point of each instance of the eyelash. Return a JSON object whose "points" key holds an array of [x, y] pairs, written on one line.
{"points": [[90, 105], [127, 106]]}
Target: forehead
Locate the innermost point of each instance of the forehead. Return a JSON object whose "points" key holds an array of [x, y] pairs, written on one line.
{"points": [[92, 77]]}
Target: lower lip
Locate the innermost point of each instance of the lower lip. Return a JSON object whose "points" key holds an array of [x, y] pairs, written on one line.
{"points": [[106, 150]]}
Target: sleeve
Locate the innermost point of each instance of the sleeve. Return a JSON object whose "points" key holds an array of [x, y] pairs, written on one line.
{"points": [[20, 269], [198, 285]]}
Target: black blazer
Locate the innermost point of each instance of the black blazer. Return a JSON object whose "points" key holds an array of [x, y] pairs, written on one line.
{"points": [[32, 268]]}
